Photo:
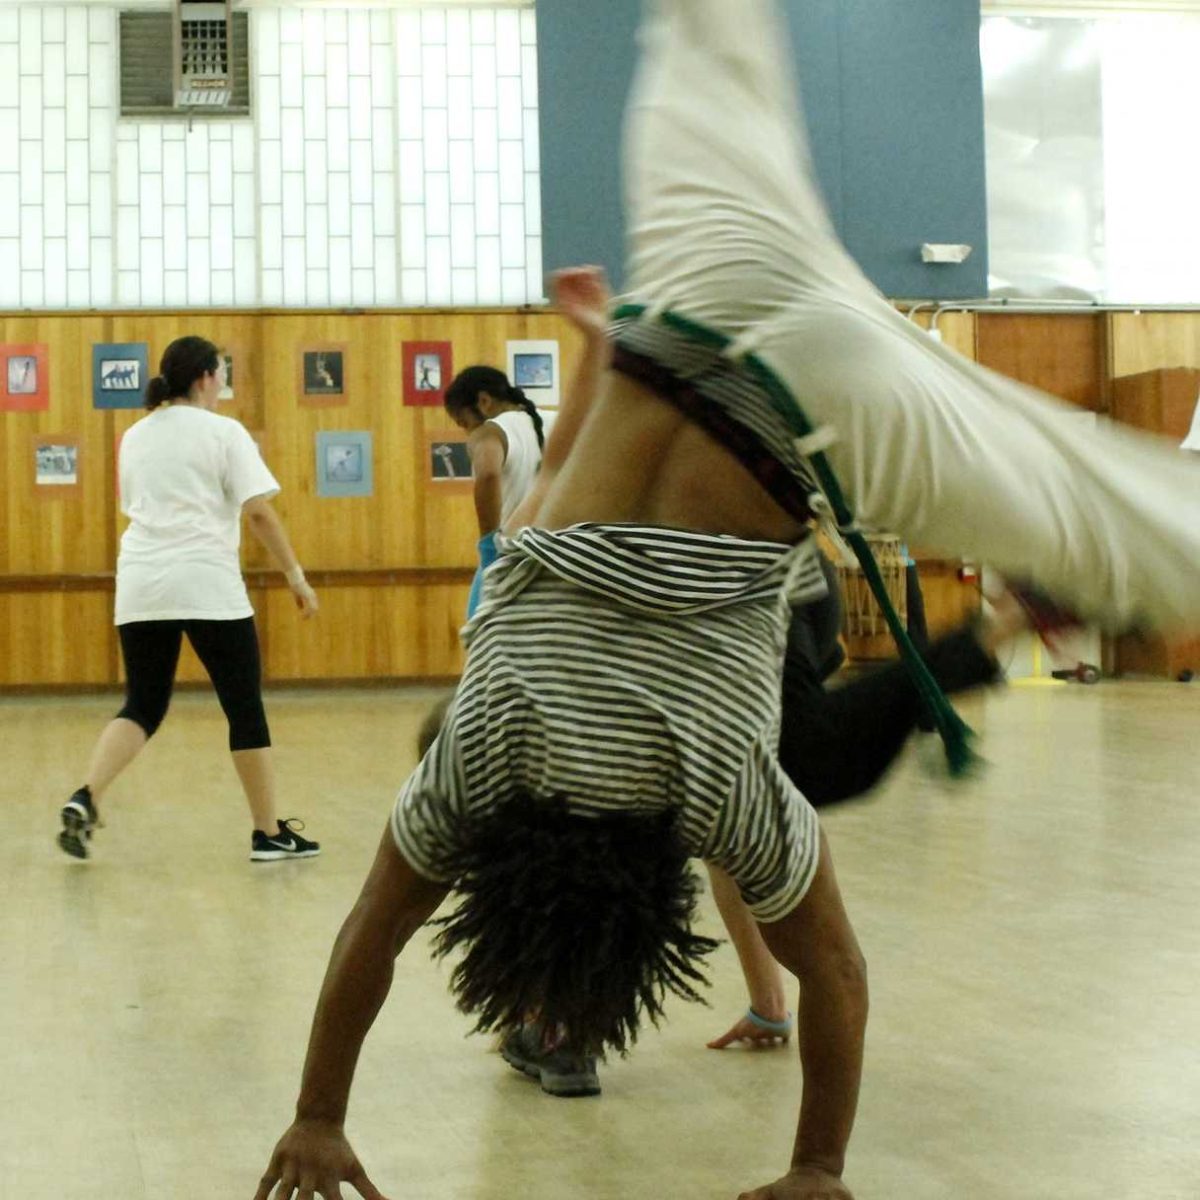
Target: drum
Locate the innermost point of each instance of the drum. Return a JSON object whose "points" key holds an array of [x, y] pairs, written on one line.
{"points": [[861, 614]]}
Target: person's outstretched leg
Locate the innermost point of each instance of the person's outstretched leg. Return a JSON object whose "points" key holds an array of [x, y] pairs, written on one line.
{"points": [[723, 213], [726, 228], [120, 742], [837, 744], [230, 654], [968, 463], [256, 771], [150, 650]]}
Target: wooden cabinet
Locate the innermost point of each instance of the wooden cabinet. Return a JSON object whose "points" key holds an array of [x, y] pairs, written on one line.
{"points": [[1161, 402]]}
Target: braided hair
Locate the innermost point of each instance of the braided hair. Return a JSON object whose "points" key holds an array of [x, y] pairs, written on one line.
{"points": [[467, 386]]}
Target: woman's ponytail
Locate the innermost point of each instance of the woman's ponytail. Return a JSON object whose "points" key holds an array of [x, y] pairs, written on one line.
{"points": [[184, 361], [516, 396], [156, 392]]}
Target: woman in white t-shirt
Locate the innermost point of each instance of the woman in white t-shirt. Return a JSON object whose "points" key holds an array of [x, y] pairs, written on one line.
{"points": [[187, 477], [507, 435]]}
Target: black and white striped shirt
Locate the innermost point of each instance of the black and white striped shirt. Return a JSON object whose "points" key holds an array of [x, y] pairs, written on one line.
{"points": [[630, 668]]}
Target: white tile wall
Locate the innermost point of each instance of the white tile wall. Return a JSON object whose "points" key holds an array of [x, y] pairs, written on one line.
{"points": [[467, 126], [393, 160]]}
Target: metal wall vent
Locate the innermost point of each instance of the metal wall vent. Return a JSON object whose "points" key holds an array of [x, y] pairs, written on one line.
{"points": [[156, 80]]}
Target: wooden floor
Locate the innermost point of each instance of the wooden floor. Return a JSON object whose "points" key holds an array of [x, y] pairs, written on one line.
{"points": [[1033, 939]]}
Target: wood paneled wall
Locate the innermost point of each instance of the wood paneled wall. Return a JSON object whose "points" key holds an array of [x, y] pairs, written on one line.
{"points": [[957, 329], [403, 557], [1062, 354], [393, 569], [1149, 340]]}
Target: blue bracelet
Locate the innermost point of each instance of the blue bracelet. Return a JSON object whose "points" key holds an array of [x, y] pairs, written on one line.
{"points": [[780, 1028]]}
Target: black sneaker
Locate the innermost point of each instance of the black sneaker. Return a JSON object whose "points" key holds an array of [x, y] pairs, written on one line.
{"points": [[79, 818], [287, 843], [559, 1072]]}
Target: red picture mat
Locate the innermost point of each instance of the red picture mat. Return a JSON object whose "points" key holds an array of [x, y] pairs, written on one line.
{"points": [[419, 375], [13, 397]]}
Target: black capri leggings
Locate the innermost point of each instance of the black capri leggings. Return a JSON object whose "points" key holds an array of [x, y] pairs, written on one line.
{"points": [[229, 652]]}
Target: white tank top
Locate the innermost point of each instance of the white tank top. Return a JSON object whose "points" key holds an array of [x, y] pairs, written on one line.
{"points": [[522, 460]]}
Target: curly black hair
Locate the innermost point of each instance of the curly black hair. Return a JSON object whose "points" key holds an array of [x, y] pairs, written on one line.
{"points": [[583, 921]]}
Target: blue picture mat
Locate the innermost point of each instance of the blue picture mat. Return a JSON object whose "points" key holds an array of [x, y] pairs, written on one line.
{"points": [[120, 372], [344, 463]]}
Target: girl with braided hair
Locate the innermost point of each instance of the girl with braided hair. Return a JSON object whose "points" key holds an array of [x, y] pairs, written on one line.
{"points": [[506, 437]]}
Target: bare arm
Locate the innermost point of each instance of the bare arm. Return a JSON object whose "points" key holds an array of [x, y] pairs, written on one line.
{"points": [[266, 526], [395, 901], [764, 980], [488, 448], [582, 296], [817, 943]]}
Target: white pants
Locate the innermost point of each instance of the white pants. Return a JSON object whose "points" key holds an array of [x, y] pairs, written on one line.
{"points": [[726, 226]]}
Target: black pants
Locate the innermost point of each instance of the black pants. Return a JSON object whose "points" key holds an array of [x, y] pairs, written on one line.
{"points": [[914, 600], [836, 744], [229, 652]]}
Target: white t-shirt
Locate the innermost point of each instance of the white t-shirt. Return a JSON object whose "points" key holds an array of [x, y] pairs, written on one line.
{"points": [[522, 460], [185, 473]]}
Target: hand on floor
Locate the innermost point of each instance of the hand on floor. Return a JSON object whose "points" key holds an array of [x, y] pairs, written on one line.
{"points": [[806, 1183], [314, 1157], [753, 1035]]}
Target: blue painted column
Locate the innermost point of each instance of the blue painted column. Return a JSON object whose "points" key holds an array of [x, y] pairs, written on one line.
{"points": [[893, 98]]}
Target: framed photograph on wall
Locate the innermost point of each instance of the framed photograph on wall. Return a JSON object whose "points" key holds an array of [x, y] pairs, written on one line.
{"points": [[447, 462], [344, 466], [322, 374], [120, 372], [229, 356], [55, 464], [24, 378], [428, 369], [534, 368]]}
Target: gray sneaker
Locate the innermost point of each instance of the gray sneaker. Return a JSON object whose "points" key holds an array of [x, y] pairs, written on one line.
{"points": [[79, 819], [559, 1072]]}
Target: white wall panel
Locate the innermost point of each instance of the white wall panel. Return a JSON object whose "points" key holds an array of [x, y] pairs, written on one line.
{"points": [[391, 158]]}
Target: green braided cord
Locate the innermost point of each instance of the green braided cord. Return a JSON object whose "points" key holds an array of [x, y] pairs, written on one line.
{"points": [[955, 733]]}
